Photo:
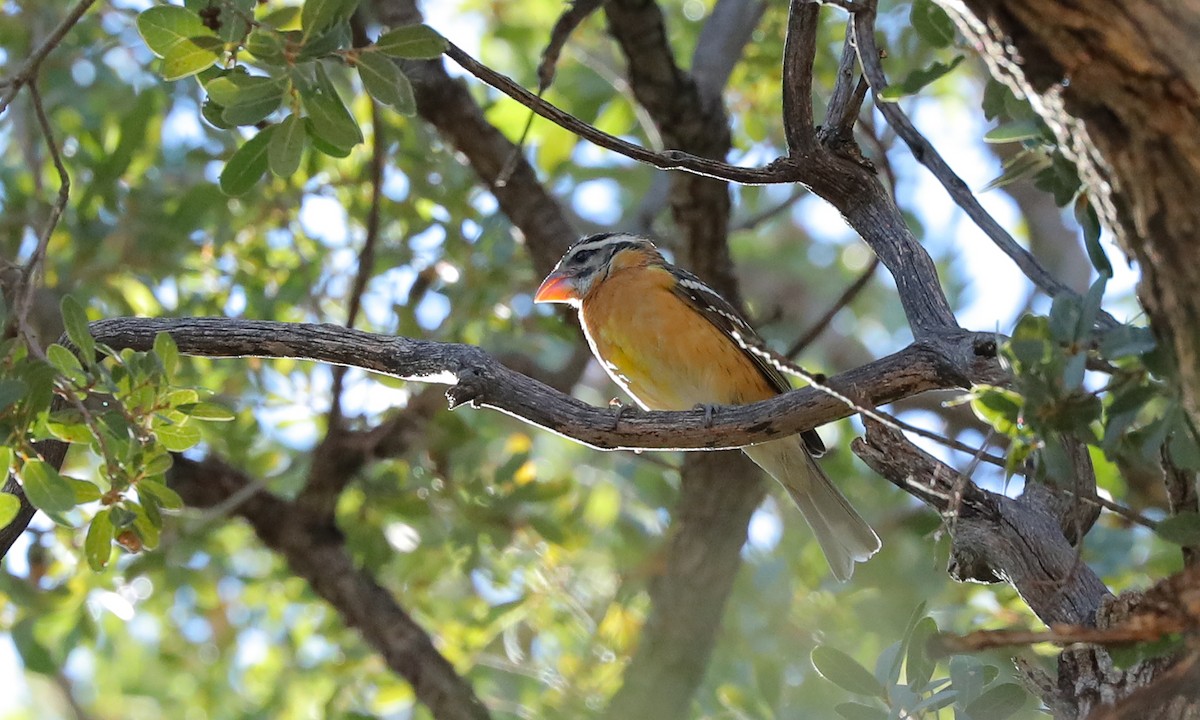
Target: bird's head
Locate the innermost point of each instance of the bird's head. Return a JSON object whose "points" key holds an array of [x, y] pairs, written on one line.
{"points": [[589, 261]]}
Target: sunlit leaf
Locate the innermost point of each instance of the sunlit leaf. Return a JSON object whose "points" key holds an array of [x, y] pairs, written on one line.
{"points": [[98, 544], [178, 438], [180, 38], [417, 42], [10, 505]]}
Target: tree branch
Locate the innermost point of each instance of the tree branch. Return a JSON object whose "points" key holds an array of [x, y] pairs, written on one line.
{"points": [[29, 70], [924, 152], [479, 379], [799, 52], [994, 537]]}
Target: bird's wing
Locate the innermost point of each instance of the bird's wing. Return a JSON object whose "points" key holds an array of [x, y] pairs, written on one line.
{"points": [[719, 312]]}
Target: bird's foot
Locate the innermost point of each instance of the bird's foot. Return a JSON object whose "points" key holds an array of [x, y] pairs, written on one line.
{"points": [[710, 412], [619, 409]]}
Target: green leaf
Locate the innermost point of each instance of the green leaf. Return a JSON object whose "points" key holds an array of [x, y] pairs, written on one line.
{"points": [[967, 677], [246, 99], [10, 505], [192, 57], [34, 655], [931, 23], [1185, 452], [165, 496], [1182, 529], [857, 711], [46, 488], [1024, 164], [147, 526], [98, 544], [320, 145], [167, 352], [935, 702], [844, 671], [207, 411], [71, 432], [1015, 131], [324, 44], [998, 702], [1127, 341], [999, 407], [11, 390], [1089, 221], [85, 491], [180, 38], [918, 79], [6, 461], [247, 165], [287, 147], [416, 42], [331, 121], [266, 46], [66, 363], [165, 27], [214, 114], [384, 82], [177, 438], [919, 665], [76, 322], [319, 15]]}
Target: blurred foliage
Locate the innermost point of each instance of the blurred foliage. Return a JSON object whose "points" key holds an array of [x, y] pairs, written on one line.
{"points": [[239, 186]]}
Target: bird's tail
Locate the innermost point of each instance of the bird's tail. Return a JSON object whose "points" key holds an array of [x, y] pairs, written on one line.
{"points": [[841, 532]]}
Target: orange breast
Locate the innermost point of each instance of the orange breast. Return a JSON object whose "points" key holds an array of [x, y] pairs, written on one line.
{"points": [[662, 352]]}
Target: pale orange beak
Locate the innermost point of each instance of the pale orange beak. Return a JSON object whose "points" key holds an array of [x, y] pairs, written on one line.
{"points": [[557, 287]]}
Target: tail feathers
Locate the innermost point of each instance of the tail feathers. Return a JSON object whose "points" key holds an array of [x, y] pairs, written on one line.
{"points": [[843, 535]]}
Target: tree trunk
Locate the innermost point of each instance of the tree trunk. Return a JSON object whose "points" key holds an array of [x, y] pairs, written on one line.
{"points": [[1119, 84]]}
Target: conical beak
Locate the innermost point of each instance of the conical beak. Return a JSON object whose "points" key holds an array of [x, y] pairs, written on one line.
{"points": [[557, 287]]}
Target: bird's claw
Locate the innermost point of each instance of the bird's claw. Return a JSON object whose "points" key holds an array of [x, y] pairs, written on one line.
{"points": [[710, 412], [619, 409]]}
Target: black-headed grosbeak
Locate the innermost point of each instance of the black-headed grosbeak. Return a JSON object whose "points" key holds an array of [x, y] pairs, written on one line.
{"points": [[673, 343]]}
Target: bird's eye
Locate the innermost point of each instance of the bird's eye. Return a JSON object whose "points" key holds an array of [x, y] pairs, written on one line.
{"points": [[583, 255]]}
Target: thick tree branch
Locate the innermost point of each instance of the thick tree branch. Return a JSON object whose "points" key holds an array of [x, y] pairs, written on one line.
{"points": [[317, 552], [994, 537], [799, 52], [479, 379]]}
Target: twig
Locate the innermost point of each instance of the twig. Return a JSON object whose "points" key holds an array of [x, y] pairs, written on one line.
{"points": [[574, 14], [1061, 634], [848, 95], [799, 51], [29, 70], [776, 172], [29, 272], [927, 155], [843, 300]]}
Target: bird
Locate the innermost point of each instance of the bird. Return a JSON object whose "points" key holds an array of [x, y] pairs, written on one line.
{"points": [[673, 343]]}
